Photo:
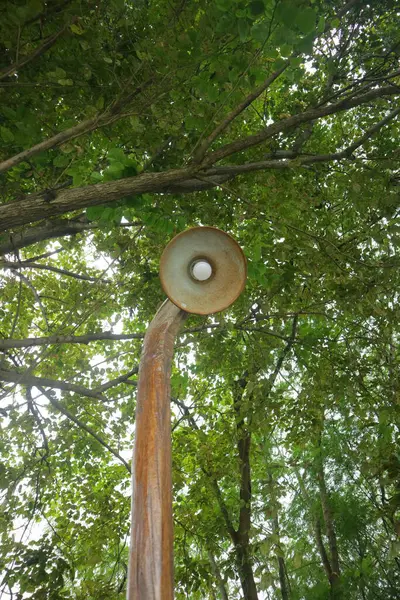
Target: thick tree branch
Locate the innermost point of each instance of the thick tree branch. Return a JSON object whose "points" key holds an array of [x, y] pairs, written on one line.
{"points": [[240, 538], [243, 554], [243, 444], [32, 380], [82, 425], [295, 120], [48, 43], [214, 483], [37, 207]]}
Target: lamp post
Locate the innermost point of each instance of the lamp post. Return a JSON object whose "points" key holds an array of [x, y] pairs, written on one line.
{"points": [[202, 271]]}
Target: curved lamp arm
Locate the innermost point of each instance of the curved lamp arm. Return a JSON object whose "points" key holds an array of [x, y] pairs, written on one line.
{"points": [[150, 574]]}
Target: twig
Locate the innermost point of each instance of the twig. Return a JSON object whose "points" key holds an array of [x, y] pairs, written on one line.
{"points": [[83, 426]]}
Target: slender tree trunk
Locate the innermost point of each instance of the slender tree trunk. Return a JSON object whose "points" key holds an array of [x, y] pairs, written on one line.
{"points": [[281, 565], [329, 526], [217, 576], [283, 579], [316, 526], [242, 543], [239, 537]]}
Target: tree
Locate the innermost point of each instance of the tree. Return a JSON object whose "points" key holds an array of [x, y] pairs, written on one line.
{"points": [[121, 124]]}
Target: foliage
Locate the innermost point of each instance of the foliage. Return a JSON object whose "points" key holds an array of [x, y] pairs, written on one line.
{"points": [[121, 124]]}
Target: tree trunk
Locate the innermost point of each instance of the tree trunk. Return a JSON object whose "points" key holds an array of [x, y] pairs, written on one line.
{"points": [[242, 539], [329, 526], [281, 564], [217, 576], [245, 569]]}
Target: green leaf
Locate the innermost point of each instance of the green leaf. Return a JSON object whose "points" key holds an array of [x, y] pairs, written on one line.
{"points": [[306, 44], [58, 73], [94, 213], [96, 176], [286, 50], [117, 155], [257, 7], [287, 13], [260, 31], [61, 160], [306, 20], [77, 28], [321, 25], [244, 29], [6, 134]]}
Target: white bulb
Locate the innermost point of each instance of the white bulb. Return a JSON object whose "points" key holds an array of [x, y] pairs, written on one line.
{"points": [[201, 270]]}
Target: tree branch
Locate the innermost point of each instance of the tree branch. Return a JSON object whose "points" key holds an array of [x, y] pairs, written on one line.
{"points": [[36, 416], [117, 380], [217, 576], [69, 339], [295, 120], [83, 426], [203, 147], [284, 353], [288, 159], [36, 207], [106, 118], [32, 380], [31, 265], [213, 481], [34, 292], [48, 230], [316, 525], [243, 445], [48, 43], [7, 344]]}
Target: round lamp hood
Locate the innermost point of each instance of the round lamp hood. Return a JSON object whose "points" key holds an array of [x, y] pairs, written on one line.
{"points": [[203, 270]]}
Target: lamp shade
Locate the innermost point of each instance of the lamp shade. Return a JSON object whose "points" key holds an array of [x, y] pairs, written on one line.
{"points": [[203, 270]]}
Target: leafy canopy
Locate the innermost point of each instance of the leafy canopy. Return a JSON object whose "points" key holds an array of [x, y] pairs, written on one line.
{"points": [[121, 124]]}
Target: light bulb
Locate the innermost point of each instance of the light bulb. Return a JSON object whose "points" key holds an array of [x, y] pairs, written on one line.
{"points": [[201, 270]]}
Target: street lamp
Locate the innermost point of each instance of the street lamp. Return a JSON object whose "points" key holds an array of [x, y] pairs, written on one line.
{"points": [[202, 271]]}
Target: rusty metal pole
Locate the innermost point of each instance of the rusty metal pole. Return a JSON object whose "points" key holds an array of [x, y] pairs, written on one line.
{"points": [[150, 574], [202, 270]]}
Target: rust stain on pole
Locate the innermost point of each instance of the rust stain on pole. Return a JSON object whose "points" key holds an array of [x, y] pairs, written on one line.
{"points": [[151, 548]]}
